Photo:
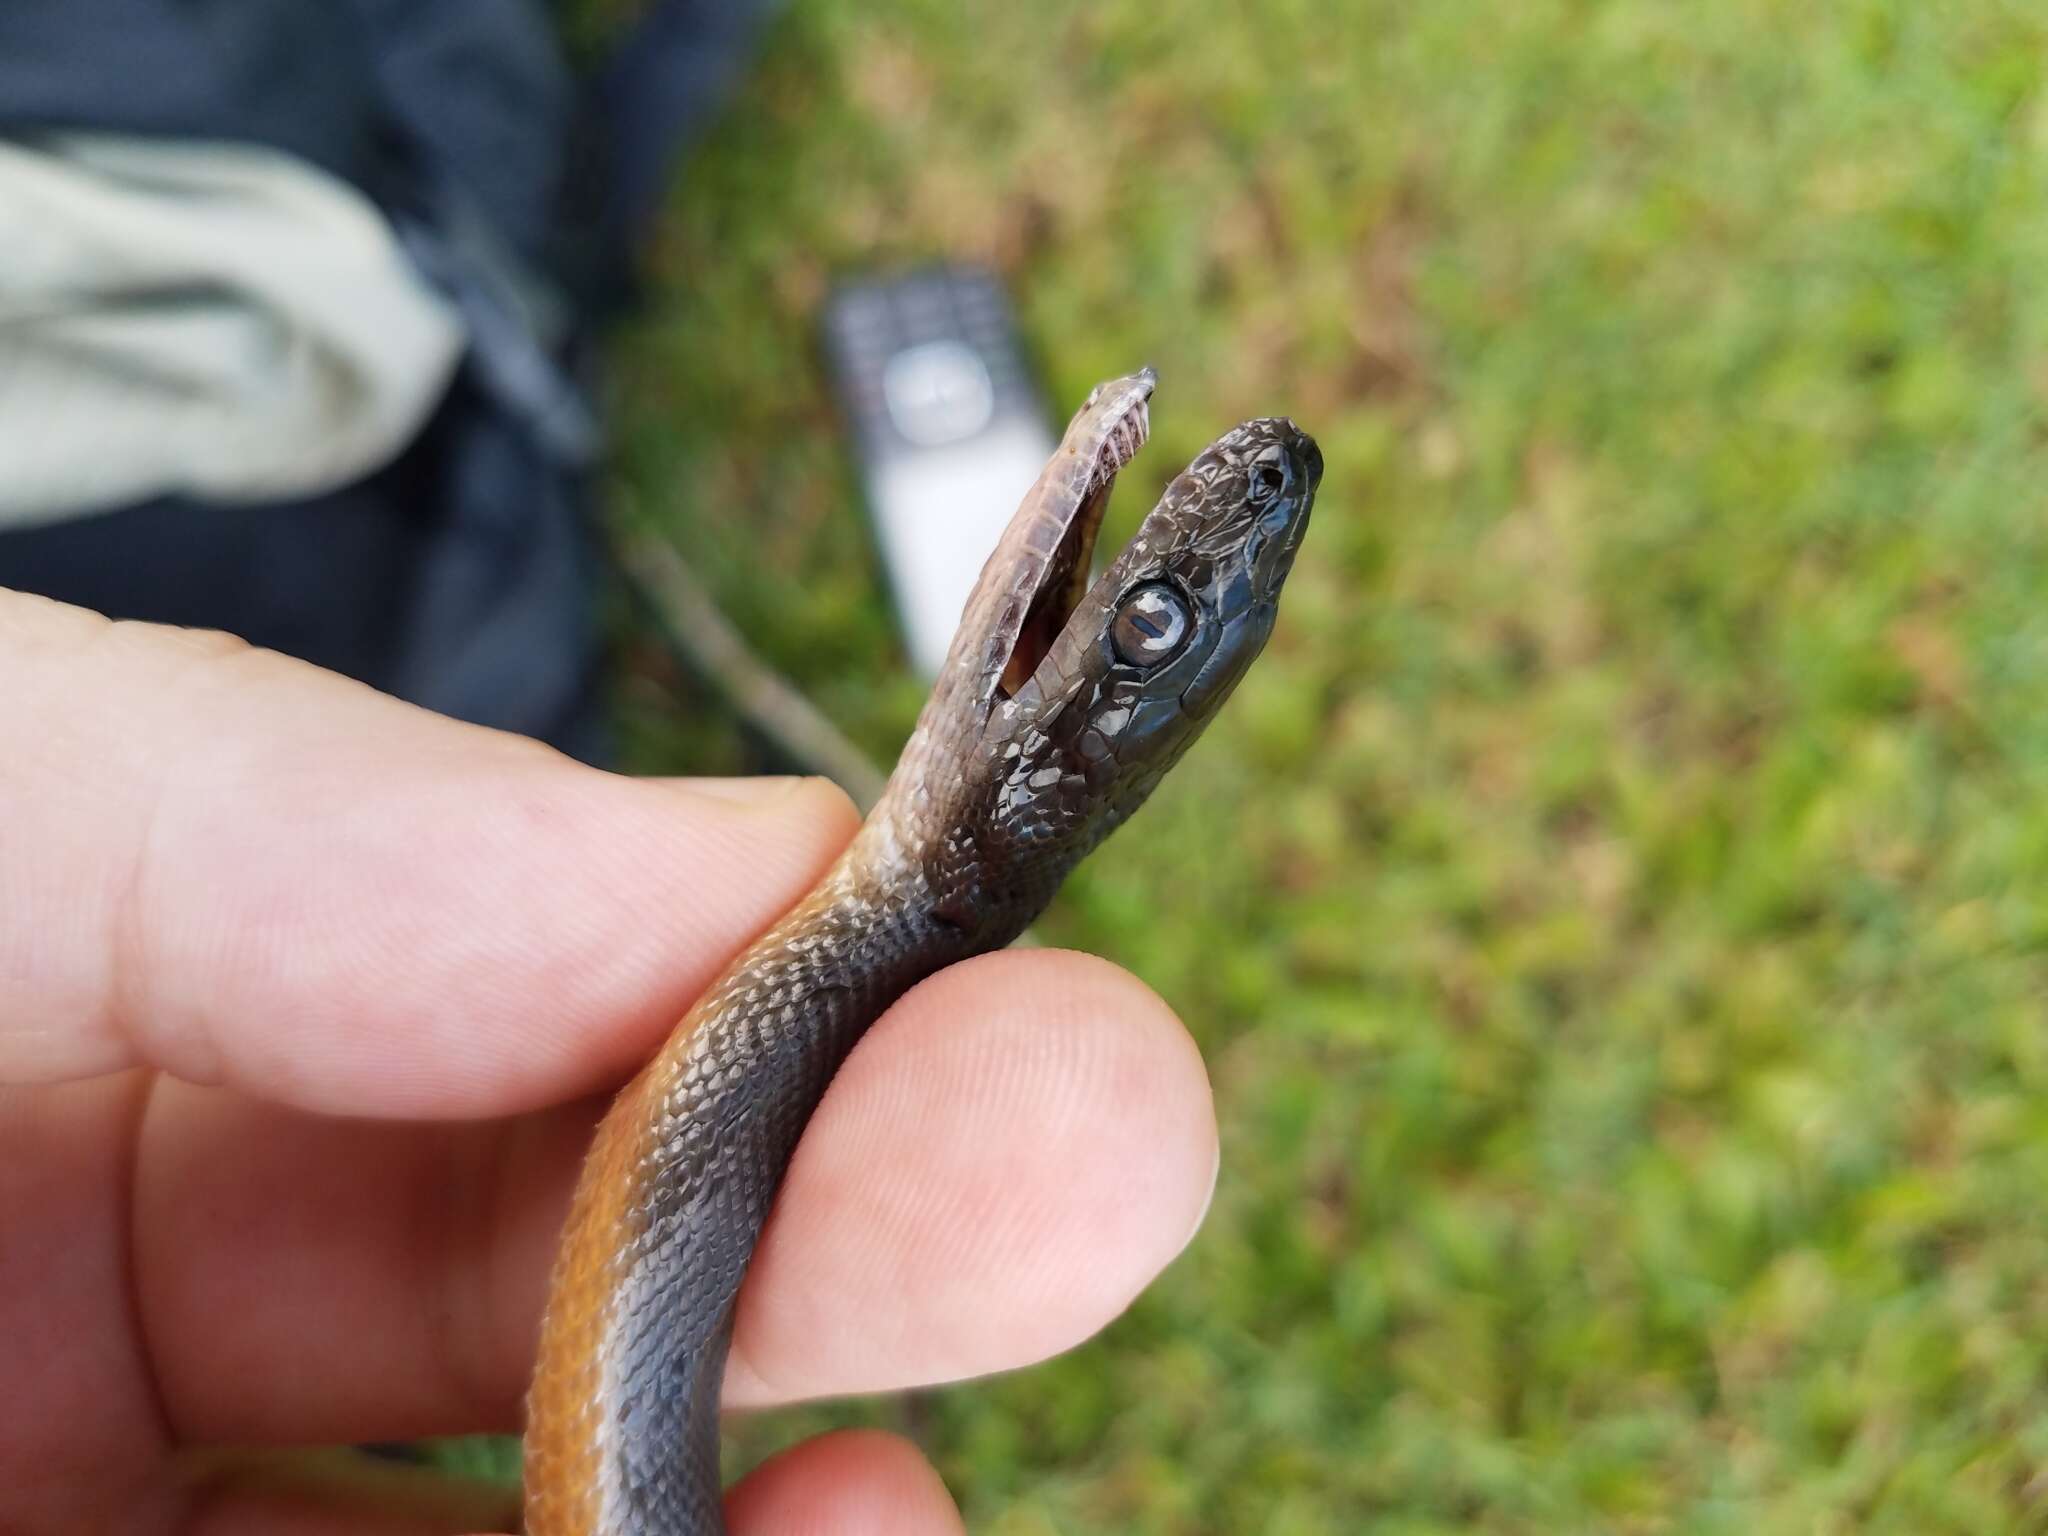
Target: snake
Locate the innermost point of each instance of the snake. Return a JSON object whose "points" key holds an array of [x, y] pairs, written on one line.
{"points": [[1062, 702]]}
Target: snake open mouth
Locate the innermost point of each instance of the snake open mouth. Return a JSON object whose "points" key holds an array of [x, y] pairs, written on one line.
{"points": [[1066, 573]]}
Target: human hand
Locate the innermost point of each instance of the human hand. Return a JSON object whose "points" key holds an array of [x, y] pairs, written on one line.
{"points": [[308, 1003]]}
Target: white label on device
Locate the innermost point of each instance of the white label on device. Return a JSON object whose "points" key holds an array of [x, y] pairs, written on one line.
{"points": [[940, 514], [938, 393]]}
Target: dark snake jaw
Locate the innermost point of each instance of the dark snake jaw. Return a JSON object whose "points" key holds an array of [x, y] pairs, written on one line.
{"points": [[1065, 577], [1122, 444]]}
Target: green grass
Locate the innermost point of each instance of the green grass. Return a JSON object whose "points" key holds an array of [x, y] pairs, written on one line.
{"points": [[1616, 910]]}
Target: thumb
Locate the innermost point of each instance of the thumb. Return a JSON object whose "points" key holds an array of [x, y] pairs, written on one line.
{"points": [[242, 869]]}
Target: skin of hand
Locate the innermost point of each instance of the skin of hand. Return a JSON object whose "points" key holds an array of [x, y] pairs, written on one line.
{"points": [[309, 1001]]}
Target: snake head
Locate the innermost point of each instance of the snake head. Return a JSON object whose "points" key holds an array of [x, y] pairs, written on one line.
{"points": [[1162, 637], [1070, 700]]}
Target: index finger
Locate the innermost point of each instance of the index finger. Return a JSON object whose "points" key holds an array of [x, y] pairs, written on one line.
{"points": [[244, 870]]}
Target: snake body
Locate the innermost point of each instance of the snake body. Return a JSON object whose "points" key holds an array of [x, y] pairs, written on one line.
{"points": [[1060, 706]]}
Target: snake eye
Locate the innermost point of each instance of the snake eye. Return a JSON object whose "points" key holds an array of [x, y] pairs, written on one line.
{"points": [[1151, 625]]}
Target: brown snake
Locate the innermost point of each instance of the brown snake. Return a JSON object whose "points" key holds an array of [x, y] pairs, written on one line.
{"points": [[1059, 708]]}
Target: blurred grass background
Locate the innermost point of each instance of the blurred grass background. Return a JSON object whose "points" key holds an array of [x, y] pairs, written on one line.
{"points": [[1615, 912]]}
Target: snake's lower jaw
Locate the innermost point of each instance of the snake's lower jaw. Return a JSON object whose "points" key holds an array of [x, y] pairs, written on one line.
{"points": [[1124, 441]]}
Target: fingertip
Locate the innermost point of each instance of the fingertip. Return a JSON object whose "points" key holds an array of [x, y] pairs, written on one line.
{"points": [[1012, 1153], [853, 1483]]}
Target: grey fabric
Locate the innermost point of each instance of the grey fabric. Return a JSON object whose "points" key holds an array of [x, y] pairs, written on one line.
{"points": [[218, 320]]}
